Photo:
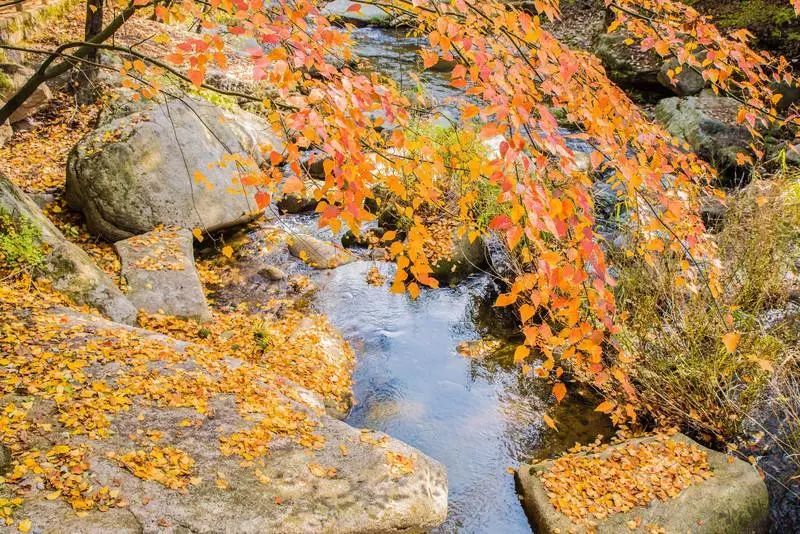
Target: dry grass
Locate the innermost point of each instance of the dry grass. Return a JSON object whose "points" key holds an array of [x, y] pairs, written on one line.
{"points": [[683, 372]]}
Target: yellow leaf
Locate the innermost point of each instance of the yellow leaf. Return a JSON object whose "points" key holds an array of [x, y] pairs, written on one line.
{"points": [[549, 422], [526, 311], [521, 353], [605, 407], [731, 341], [198, 234], [227, 251], [25, 526]]}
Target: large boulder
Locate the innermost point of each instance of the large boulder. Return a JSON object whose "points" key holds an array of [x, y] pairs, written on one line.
{"points": [[732, 499], [178, 163], [160, 273], [12, 77], [69, 268], [312, 474], [626, 64], [707, 123], [463, 258]]}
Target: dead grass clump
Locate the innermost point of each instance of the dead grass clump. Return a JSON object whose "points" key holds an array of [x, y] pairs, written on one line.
{"points": [[683, 372]]}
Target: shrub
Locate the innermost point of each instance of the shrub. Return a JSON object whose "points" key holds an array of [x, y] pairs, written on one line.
{"points": [[20, 243], [682, 370]]}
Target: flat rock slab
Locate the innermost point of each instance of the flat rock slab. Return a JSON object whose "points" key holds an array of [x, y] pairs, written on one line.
{"points": [[353, 482], [159, 269], [733, 500]]}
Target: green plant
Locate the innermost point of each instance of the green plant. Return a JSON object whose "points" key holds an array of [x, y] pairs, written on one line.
{"points": [[20, 243]]}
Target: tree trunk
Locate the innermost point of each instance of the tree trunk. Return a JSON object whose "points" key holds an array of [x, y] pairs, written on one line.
{"points": [[94, 23]]}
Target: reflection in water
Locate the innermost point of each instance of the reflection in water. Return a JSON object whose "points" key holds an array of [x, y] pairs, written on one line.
{"points": [[476, 417]]}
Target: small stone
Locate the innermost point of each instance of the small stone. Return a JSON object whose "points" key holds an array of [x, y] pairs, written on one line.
{"points": [[318, 253], [270, 272]]}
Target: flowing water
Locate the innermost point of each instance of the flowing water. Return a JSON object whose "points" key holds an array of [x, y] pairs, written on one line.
{"points": [[476, 416]]}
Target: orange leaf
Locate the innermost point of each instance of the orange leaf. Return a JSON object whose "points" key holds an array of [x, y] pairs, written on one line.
{"points": [[605, 407], [731, 341], [559, 391]]}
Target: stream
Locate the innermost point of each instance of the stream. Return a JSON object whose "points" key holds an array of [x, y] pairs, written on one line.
{"points": [[479, 417]]}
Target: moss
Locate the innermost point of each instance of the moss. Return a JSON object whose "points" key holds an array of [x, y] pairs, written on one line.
{"points": [[6, 84], [756, 13], [20, 243]]}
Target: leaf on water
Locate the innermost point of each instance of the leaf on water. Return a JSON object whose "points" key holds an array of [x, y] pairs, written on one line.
{"points": [[549, 421], [559, 391]]}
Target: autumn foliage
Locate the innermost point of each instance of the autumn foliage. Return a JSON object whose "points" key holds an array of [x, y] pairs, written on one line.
{"points": [[515, 78]]}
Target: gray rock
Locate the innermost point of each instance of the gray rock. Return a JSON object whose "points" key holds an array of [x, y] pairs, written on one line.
{"points": [[318, 253], [273, 273], [367, 15], [465, 258], [626, 64], [43, 199], [707, 123], [687, 82], [160, 272], [278, 492], [734, 499], [166, 164], [12, 77], [793, 154], [713, 211], [70, 269], [5, 133]]}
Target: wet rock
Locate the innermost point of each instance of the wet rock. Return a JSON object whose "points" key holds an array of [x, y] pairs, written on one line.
{"points": [[318, 253], [464, 259], [369, 236], [299, 202], [12, 77], [70, 269], [270, 272], [366, 15], [734, 499], [707, 123], [359, 489], [314, 165], [161, 276], [687, 82], [627, 65], [167, 164]]}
